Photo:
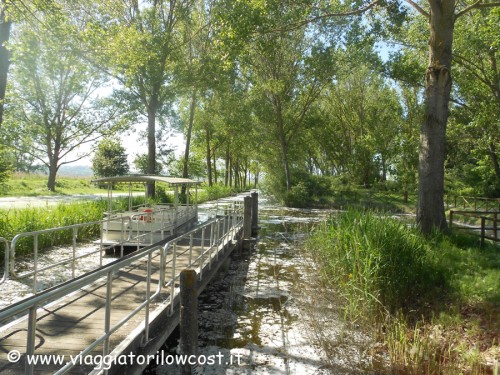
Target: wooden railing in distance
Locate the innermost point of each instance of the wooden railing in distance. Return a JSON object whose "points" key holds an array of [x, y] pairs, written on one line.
{"points": [[485, 217]]}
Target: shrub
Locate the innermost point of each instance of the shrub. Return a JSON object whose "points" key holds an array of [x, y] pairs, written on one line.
{"points": [[298, 196], [307, 189]]}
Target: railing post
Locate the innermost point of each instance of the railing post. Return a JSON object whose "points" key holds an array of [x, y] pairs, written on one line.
{"points": [[202, 258], [35, 263], [255, 213], [211, 242], [73, 262], [30, 343], [190, 250], [101, 243], [107, 316], [122, 240], [148, 297], [172, 286], [247, 222], [218, 237], [188, 318], [451, 218]]}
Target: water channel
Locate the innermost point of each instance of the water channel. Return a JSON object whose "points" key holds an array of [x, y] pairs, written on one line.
{"points": [[255, 317]]}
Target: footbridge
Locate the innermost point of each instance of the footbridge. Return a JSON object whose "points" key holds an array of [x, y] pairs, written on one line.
{"points": [[115, 318]]}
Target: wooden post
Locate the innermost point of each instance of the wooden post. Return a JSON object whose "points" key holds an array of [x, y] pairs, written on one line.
{"points": [[247, 222], [188, 318], [451, 218], [255, 213]]}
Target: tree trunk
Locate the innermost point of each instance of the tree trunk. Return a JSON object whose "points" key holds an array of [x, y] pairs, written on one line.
{"points": [[4, 56], [151, 168], [494, 160], [228, 165], [51, 182], [215, 167], [185, 168], [284, 145], [208, 155], [430, 210]]}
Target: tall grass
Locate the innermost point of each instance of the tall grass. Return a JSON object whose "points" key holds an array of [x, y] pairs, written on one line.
{"points": [[375, 265], [432, 302], [33, 219], [210, 193]]}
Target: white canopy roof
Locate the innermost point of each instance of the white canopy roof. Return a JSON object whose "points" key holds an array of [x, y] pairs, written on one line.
{"points": [[148, 178]]}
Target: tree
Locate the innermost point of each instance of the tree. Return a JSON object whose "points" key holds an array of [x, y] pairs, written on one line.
{"points": [[441, 15], [110, 159], [287, 84], [5, 25], [477, 77], [139, 44], [141, 164], [353, 128], [53, 107], [13, 10]]}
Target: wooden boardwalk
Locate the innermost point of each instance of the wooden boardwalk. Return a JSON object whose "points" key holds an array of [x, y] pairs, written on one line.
{"points": [[71, 324]]}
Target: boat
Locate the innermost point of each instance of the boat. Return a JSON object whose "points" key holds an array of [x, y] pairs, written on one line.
{"points": [[148, 223]]}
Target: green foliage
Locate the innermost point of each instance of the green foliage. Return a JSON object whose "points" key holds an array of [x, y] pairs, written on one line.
{"points": [[209, 193], [13, 222], [110, 159], [428, 299], [52, 108], [141, 164], [5, 169], [377, 264], [307, 189], [161, 195]]}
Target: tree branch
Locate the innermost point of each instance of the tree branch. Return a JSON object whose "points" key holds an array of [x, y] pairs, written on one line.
{"points": [[355, 12], [419, 9], [477, 4]]}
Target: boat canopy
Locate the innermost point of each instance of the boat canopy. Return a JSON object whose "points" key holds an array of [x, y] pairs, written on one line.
{"points": [[147, 178]]}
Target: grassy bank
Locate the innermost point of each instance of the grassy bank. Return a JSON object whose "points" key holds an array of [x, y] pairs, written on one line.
{"points": [[432, 304], [15, 221], [30, 185]]}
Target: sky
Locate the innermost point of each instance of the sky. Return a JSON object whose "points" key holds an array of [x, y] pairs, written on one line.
{"points": [[133, 145]]}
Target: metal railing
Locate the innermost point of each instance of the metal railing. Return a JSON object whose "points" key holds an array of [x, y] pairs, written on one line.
{"points": [[217, 233], [230, 225], [6, 259], [133, 234], [10, 256]]}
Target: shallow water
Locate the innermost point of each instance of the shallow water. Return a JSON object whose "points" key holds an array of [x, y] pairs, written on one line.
{"points": [[252, 314]]}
